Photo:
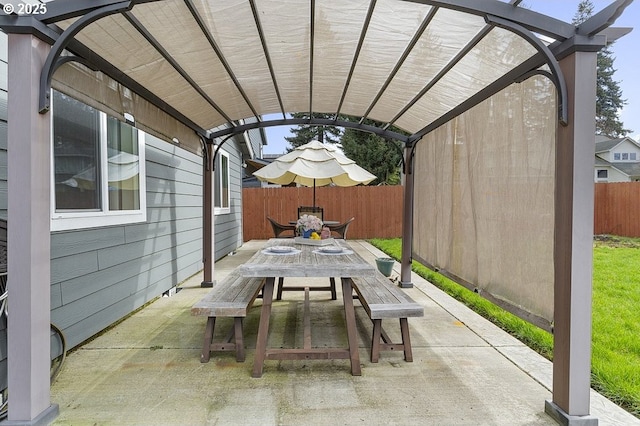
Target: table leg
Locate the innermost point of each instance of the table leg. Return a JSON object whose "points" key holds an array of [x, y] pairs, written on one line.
{"points": [[263, 327], [350, 319]]}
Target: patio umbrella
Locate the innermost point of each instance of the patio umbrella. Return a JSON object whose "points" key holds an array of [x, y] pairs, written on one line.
{"points": [[314, 164]]}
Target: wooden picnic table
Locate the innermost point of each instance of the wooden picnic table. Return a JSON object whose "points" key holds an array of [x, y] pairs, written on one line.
{"points": [[306, 261]]}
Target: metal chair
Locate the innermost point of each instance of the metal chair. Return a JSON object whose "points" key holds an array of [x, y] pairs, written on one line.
{"points": [[279, 228], [341, 229]]}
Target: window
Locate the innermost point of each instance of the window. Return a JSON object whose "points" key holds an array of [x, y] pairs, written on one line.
{"points": [[632, 156], [98, 168], [222, 198], [625, 156], [603, 174], [616, 156]]}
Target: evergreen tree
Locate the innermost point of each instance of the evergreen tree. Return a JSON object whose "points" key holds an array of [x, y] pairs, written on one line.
{"points": [[374, 153], [305, 133], [609, 100]]}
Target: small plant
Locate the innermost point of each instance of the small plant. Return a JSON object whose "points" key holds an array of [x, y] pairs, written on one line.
{"points": [[309, 222]]}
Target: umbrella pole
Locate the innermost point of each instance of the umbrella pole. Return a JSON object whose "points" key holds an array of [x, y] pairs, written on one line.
{"points": [[314, 195]]}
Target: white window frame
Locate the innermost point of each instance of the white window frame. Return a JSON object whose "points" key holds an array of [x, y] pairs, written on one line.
{"points": [[82, 219], [602, 179], [217, 210]]}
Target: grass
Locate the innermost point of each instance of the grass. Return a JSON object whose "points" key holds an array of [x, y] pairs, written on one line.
{"points": [[616, 324]]}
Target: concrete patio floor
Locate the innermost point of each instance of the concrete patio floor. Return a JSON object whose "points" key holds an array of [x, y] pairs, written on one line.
{"points": [[146, 370]]}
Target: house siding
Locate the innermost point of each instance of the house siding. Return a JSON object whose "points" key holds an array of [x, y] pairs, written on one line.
{"points": [[620, 169], [228, 226], [100, 275]]}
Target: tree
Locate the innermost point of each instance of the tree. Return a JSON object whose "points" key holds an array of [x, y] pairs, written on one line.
{"points": [[305, 133], [609, 100], [374, 153]]}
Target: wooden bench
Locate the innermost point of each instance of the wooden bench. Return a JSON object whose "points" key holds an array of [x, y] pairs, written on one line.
{"points": [[232, 297], [382, 299]]}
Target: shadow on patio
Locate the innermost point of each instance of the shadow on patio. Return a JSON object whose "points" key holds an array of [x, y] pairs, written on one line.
{"points": [[147, 370]]}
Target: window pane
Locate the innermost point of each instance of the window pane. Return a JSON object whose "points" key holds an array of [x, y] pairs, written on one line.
{"points": [[76, 151], [225, 181], [616, 156], [602, 174], [123, 166], [216, 184], [221, 185]]}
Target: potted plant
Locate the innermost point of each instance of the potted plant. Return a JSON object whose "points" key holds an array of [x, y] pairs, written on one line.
{"points": [[308, 224], [385, 265]]}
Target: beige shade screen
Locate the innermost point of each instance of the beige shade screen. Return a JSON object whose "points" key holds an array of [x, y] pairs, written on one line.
{"points": [[484, 199], [105, 94]]}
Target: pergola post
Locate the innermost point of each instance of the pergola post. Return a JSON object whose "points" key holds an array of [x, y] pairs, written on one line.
{"points": [[29, 179], [208, 239], [573, 246], [407, 220]]}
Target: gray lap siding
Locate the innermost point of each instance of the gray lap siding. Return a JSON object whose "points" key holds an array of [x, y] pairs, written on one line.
{"points": [[100, 275]]}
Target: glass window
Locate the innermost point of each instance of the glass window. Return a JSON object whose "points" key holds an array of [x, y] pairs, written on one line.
{"points": [[632, 156], [124, 174], [625, 156], [76, 149], [616, 156], [98, 167], [222, 199], [603, 174]]}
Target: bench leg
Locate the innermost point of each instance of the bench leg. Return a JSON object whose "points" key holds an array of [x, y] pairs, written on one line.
{"points": [[208, 337], [332, 282], [239, 339], [406, 340], [280, 285], [375, 340]]}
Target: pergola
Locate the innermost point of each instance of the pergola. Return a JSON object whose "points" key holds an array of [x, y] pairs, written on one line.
{"points": [[201, 65]]}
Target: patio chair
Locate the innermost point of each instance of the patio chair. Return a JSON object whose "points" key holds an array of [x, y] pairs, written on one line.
{"points": [[279, 228], [341, 228], [309, 210]]}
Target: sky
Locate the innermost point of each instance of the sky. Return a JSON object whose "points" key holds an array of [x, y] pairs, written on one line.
{"points": [[625, 51]]}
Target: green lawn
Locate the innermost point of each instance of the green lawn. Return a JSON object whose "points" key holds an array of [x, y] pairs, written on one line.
{"points": [[616, 316]]}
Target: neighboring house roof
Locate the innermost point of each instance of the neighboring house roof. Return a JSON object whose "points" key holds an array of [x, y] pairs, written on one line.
{"points": [[607, 145], [630, 169], [602, 163]]}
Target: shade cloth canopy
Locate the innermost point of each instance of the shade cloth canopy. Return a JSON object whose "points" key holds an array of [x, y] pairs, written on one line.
{"points": [[412, 65], [314, 164]]}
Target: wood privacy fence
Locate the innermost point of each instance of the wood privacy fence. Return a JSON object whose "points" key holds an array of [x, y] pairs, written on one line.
{"points": [[377, 209], [617, 208]]}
